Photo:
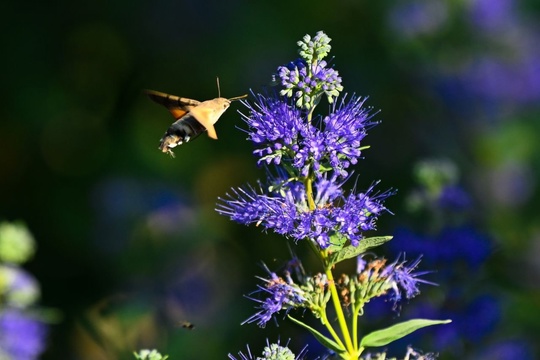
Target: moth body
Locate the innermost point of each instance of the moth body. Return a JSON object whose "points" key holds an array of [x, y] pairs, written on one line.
{"points": [[192, 118], [180, 131]]}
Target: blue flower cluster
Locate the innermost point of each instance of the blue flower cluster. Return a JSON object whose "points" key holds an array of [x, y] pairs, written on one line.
{"points": [[281, 295], [404, 281], [281, 131], [305, 200], [284, 210], [308, 78]]}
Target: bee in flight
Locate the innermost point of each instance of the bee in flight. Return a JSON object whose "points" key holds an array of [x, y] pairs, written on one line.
{"points": [[192, 117]]}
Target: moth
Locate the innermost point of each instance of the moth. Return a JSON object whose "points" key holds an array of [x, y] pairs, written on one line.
{"points": [[192, 117]]}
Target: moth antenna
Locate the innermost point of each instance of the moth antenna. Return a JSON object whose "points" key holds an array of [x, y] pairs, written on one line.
{"points": [[218, 89]]}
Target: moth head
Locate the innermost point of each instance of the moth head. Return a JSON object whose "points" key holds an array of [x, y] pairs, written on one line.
{"points": [[222, 104]]}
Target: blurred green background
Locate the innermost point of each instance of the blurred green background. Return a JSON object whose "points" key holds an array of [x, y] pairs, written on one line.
{"points": [[129, 245]]}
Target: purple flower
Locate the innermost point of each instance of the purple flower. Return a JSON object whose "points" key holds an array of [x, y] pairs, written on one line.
{"points": [[344, 129], [453, 245], [376, 278], [275, 127], [309, 81], [307, 78], [282, 133], [507, 349], [280, 296], [403, 280], [455, 198], [21, 336], [417, 18], [493, 15], [285, 211]]}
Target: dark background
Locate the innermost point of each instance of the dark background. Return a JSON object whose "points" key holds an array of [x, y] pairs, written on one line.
{"points": [[129, 245]]}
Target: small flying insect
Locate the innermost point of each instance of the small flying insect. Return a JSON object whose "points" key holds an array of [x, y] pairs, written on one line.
{"points": [[192, 117], [186, 325]]}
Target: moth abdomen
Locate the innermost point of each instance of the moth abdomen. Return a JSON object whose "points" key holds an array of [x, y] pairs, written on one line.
{"points": [[180, 131]]}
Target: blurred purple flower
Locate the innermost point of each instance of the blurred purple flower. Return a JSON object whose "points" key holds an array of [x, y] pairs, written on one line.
{"points": [[21, 336], [507, 349], [455, 198], [450, 246], [492, 14], [419, 17], [498, 79]]}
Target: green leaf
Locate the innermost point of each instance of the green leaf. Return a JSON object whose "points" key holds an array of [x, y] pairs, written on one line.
{"points": [[337, 241], [392, 333], [329, 343], [353, 251]]}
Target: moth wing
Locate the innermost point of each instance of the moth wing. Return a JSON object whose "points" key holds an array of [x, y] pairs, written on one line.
{"points": [[205, 117], [177, 106]]}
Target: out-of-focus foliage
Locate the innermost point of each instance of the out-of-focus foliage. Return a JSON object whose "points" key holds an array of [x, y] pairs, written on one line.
{"points": [[129, 246]]}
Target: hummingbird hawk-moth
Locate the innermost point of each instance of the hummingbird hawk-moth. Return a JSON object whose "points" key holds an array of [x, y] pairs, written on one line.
{"points": [[192, 117]]}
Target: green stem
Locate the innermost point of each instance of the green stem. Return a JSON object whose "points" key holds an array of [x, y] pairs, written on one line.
{"points": [[310, 113], [355, 316], [309, 193], [352, 352], [339, 312], [330, 329]]}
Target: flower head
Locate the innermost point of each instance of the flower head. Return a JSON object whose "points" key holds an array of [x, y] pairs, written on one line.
{"points": [[274, 351], [283, 134], [377, 278], [308, 78], [403, 280], [284, 210], [280, 295]]}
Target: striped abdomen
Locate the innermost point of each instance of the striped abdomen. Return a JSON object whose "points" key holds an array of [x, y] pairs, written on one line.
{"points": [[180, 131]]}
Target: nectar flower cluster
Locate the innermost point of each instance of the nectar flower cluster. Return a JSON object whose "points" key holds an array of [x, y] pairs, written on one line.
{"points": [[308, 158], [281, 295], [274, 351], [282, 132], [307, 78], [377, 278], [285, 210], [284, 294], [305, 200]]}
